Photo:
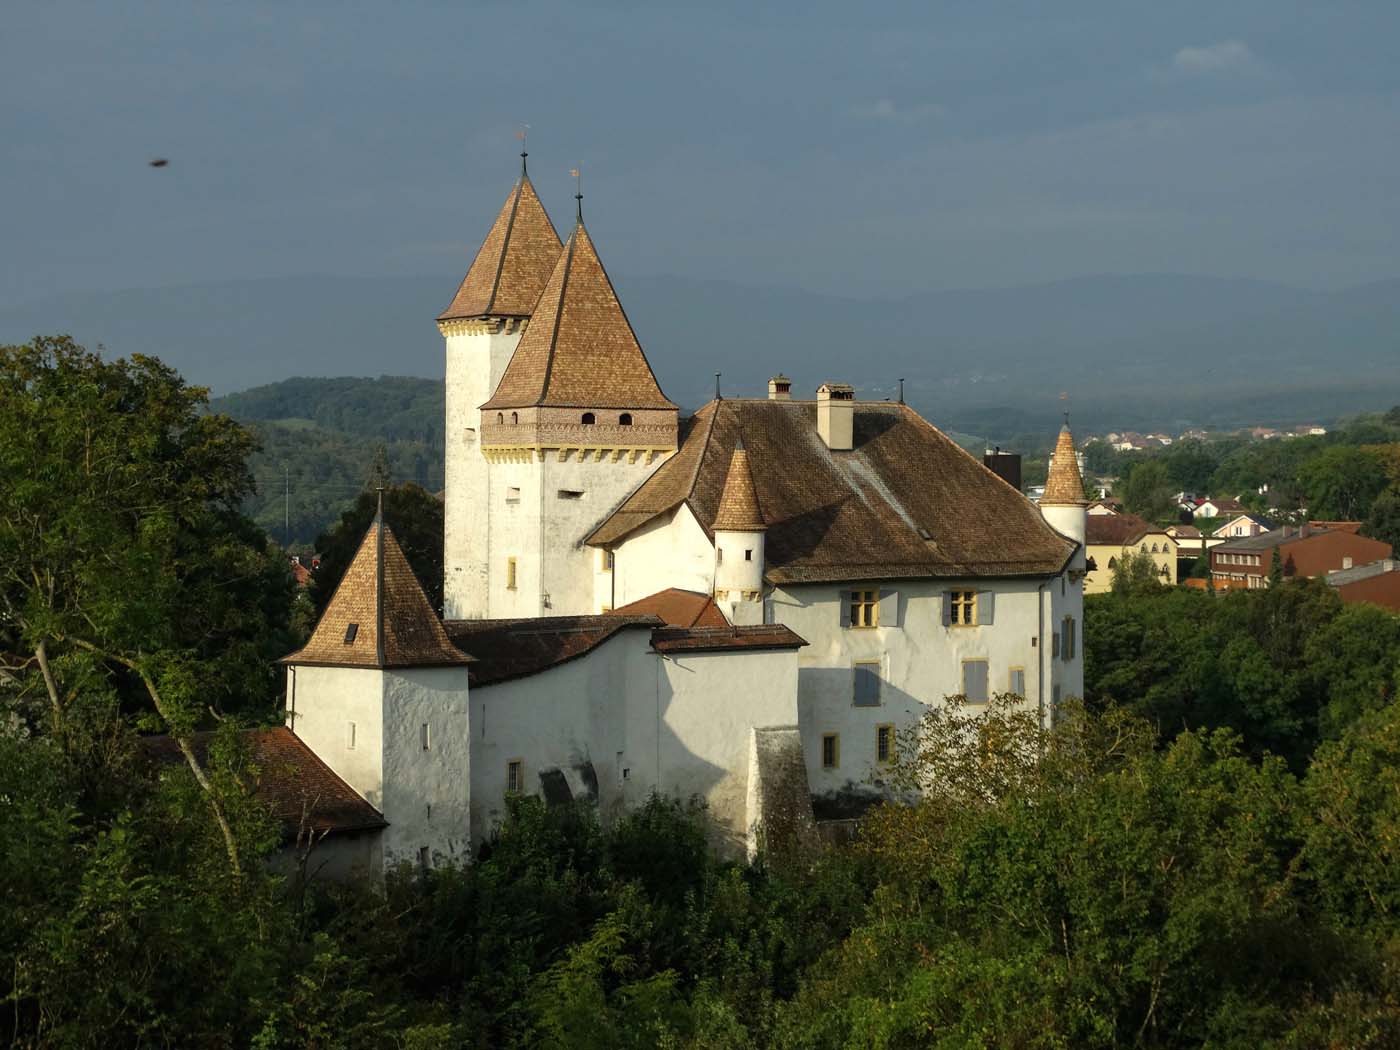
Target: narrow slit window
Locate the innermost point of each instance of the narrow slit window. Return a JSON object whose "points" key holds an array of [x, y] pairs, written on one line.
{"points": [[831, 750], [570, 494], [425, 736], [349, 736], [510, 574], [884, 744], [748, 555], [515, 776]]}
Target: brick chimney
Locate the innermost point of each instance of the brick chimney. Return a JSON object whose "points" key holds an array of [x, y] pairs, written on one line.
{"points": [[780, 388], [836, 410]]}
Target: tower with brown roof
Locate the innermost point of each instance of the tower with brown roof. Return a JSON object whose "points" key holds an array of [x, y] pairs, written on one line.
{"points": [[1063, 505], [575, 425], [739, 541], [482, 327]]}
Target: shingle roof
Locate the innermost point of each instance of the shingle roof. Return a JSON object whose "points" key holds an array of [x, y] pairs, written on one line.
{"points": [[720, 639], [677, 608], [1117, 530], [380, 598], [514, 262], [905, 502], [1064, 486], [291, 780], [738, 503], [1268, 540], [506, 649], [579, 350]]}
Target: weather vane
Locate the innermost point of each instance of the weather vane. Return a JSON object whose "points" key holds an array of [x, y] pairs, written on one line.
{"points": [[521, 134], [578, 190]]}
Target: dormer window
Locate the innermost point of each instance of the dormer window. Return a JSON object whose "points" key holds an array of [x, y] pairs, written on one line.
{"points": [[351, 629], [625, 420], [589, 419], [515, 417]]}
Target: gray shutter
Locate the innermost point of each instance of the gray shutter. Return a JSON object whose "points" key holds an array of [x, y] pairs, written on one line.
{"points": [[985, 602], [845, 607], [889, 608], [947, 608], [867, 686], [1018, 682], [975, 680]]}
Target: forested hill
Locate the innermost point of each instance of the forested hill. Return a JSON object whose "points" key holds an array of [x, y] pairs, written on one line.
{"points": [[321, 439]]}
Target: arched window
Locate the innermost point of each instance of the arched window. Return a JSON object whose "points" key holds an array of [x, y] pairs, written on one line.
{"points": [[500, 417], [1144, 548], [515, 417], [625, 419], [1154, 548], [588, 419], [1113, 563]]}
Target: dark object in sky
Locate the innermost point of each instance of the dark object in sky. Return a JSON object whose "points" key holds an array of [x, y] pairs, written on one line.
{"points": [[159, 162]]}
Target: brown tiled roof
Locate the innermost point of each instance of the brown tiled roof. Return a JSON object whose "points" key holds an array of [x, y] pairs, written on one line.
{"points": [[738, 503], [291, 780], [506, 649], [677, 608], [510, 270], [579, 350], [394, 626], [905, 502], [1064, 486], [1117, 530], [717, 639]]}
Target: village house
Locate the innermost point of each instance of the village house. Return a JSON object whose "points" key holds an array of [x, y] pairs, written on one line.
{"points": [[1305, 550], [1244, 525], [1377, 583], [1110, 539]]}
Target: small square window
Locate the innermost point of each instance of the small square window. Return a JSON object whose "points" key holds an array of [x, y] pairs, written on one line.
{"points": [[884, 744], [515, 776], [748, 555], [351, 630], [831, 750], [512, 494]]}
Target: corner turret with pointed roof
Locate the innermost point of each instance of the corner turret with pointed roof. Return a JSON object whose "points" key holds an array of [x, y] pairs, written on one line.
{"points": [[740, 538], [738, 502], [1064, 487], [379, 616]]}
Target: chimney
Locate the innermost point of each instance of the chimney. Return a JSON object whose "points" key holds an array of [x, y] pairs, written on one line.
{"points": [[779, 388], [1005, 465], [836, 410]]}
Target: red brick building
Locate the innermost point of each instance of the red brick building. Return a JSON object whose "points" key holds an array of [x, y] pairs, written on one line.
{"points": [[1377, 583], [1305, 550]]}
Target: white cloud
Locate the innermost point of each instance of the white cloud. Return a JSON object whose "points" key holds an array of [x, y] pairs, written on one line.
{"points": [[1214, 58], [887, 110]]}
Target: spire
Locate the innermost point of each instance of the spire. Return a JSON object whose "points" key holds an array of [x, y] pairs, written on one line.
{"points": [[1065, 486], [379, 615], [579, 349], [738, 502], [513, 264]]}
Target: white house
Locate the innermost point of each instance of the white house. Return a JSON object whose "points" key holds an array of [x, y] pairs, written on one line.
{"points": [[744, 605]]}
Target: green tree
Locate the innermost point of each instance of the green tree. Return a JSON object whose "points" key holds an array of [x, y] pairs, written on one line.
{"points": [[1340, 483], [1134, 573], [412, 512], [1383, 521], [1147, 490], [122, 549]]}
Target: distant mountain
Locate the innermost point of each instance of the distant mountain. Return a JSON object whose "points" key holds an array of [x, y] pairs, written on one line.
{"points": [[1147, 351]]}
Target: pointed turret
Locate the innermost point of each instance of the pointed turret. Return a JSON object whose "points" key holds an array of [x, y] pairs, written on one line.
{"points": [[1063, 505], [515, 260], [740, 532], [579, 351], [379, 615]]}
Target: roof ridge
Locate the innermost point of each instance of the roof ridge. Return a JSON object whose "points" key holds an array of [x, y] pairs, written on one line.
{"points": [[559, 310], [505, 243]]}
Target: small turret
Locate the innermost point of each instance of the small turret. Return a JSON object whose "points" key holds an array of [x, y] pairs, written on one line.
{"points": [[1063, 506], [739, 537]]}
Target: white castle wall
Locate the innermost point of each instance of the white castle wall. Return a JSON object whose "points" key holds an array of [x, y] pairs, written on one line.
{"points": [[322, 702], [477, 355], [670, 551]]}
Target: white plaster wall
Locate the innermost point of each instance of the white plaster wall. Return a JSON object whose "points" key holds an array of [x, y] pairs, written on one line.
{"points": [[920, 660], [475, 363], [709, 704], [732, 571], [1066, 597], [426, 791], [671, 551], [514, 532], [321, 702]]}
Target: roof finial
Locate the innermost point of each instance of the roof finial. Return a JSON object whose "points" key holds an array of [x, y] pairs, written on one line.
{"points": [[1064, 396], [379, 509], [901, 390], [520, 134], [718, 395], [578, 191]]}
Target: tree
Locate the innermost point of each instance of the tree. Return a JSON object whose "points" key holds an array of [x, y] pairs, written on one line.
{"points": [[1134, 573], [122, 549], [412, 512], [1340, 483], [1147, 491], [1383, 522]]}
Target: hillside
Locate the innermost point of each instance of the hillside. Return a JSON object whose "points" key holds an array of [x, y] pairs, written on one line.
{"points": [[1145, 350]]}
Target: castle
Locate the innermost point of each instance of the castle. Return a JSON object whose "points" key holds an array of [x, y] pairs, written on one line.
{"points": [[746, 605]]}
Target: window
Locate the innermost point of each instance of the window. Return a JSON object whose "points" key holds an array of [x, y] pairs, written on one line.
{"points": [[719, 555], [515, 417], [424, 737], [865, 609], [974, 681], [866, 686], [349, 736], [512, 494], [1067, 637], [515, 776], [625, 420], [588, 419], [425, 858], [748, 556], [351, 629], [1112, 563], [1144, 548], [884, 744], [500, 417], [831, 750], [605, 561], [963, 606], [510, 574], [1017, 684], [570, 494]]}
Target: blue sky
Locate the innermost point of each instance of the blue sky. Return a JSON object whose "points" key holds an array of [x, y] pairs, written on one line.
{"points": [[865, 149]]}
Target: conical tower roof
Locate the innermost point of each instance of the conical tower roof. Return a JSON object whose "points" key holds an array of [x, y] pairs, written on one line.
{"points": [[738, 502], [379, 615], [1065, 486], [514, 262], [579, 350]]}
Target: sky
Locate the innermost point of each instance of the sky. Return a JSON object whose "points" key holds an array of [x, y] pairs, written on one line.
{"points": [[862, 149]]}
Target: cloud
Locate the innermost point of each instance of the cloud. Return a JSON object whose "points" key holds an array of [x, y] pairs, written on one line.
{"points": [[1223, 57], [886, 110]]}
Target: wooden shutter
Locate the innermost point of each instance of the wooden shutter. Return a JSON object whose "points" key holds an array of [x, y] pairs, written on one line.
{"points": [[1018, 681], [845, 607], [947, 608], [986, 601], [867, 685], [889, 608], [975, 680]]}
